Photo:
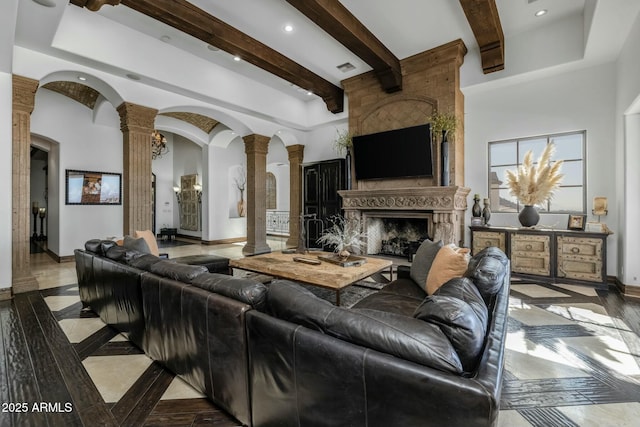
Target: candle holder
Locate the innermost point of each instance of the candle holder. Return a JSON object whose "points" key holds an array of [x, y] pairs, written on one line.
{"points": [[42, 212], [35, 210]]}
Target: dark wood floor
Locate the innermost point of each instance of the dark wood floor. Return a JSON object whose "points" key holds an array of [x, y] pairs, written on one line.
{"points": [[43, 381]]}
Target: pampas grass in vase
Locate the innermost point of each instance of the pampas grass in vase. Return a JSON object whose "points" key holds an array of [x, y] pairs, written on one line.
{"points": [[533, 184]]}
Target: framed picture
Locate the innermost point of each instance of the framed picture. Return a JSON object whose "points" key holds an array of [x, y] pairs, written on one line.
{"points": [[93, 188], [576, 222]]}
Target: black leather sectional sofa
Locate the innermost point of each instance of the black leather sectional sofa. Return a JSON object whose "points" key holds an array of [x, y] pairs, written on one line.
{"points": [[276, 355]]}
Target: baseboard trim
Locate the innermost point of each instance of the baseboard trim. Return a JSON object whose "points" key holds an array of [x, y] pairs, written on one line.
{"points": [[5, 294], [224, 241], [61, 259], [626, 290]]}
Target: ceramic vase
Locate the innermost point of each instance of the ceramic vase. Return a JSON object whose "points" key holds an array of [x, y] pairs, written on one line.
{"points": [[444, 155], [529, 216], [476, 211]]}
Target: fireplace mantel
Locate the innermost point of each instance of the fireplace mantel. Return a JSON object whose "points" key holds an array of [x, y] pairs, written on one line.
{"points": [[446, 204]]}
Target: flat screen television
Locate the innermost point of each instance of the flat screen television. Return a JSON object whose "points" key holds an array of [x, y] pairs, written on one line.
{"points": [[399, 153]]}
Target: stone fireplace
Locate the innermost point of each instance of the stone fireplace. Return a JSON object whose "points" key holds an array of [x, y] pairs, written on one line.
{"points": [[395, 233], [440, 208]]}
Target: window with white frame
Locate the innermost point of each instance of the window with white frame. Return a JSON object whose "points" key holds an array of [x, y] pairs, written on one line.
{"points": [[508, 155]]}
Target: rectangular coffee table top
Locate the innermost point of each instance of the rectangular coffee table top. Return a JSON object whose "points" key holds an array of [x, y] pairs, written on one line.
{"points": [[325, 274]]}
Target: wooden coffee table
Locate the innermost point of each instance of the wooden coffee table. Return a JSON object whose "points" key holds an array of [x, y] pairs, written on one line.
{"points": [[325, 275]]}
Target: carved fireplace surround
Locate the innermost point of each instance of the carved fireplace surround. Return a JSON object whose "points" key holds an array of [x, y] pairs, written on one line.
{"points": [[445, 206]]}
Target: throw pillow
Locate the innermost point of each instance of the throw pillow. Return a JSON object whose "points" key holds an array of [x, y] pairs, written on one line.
{"points": [[422, 261], [450, 262], [459, 322], [148, 236], [139, 245]]}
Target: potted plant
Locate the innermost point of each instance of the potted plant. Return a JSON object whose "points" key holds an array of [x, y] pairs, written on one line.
{"points": [[443, 124], [344, 235], [533, 184], [343, 142]]}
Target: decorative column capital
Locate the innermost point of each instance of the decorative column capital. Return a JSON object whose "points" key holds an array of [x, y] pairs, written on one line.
{"points": [[296, 153], [136, 118], [24, 93], [257, 144]]}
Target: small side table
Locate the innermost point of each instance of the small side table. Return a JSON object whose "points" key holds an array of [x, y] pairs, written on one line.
{"points": [[168, 233]]}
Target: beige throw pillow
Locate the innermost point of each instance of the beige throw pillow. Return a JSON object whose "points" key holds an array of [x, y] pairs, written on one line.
{"points": [[148, 237], [450, 261]]}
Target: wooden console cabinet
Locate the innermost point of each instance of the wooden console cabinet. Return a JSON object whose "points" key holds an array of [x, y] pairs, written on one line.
{"points": [[548, 255]]}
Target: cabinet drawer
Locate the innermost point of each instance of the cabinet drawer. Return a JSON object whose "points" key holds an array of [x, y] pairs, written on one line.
{"points": [[580, 258], [531, 254], [485, 239]]}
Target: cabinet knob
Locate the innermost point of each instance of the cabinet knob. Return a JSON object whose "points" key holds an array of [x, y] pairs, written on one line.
{"points": [[528, 247], [575, 250], [487, 243]]}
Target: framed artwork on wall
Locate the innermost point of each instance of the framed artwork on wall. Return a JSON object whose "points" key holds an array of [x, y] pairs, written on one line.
{"points": [[92, 188]]}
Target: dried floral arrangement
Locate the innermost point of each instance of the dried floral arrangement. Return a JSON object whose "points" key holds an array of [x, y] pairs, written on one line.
{"points": [[345, 235], [533, 184]]}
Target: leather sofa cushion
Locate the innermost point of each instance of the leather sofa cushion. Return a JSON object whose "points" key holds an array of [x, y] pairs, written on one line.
{"points": [[121, 254], [390, 303], [139, 244], [398, 335], [289, 301], [390, 333], [487, 269], [144, 261], [406, 287], [464, 289], [422, 261], [180, 272], [94, 246], [459, 322], [240, 289], [106, 245]]}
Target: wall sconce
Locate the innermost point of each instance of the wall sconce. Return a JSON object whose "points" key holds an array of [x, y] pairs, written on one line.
{"points": [[178, 194], [599, 207], [198, 190]]}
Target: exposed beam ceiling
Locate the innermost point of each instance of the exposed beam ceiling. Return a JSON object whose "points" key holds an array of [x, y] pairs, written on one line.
{"points": [[186, 17], [485, 23], [336, 20]]}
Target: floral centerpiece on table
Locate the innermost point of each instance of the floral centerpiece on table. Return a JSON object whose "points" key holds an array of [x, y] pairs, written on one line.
{"points": [[344, 235], [533, 184]]}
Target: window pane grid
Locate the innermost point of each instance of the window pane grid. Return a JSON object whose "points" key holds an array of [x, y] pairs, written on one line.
{"points": [[509, 154]]}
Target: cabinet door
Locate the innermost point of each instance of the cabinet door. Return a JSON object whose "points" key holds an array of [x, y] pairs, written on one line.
{"points": [[531, 254], [485, 239], [331, 180], [581, 258]]}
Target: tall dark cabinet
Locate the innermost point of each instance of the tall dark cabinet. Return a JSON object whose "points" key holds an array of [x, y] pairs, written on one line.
{"points": [[322, 180]]}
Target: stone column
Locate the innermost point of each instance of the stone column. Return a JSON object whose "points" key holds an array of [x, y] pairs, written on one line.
{"points": [[296, 154], [24, 93], [256, 147], [136, 123]]}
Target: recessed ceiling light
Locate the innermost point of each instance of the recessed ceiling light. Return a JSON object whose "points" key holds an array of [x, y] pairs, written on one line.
{"points": [[347, 66], [309, 93], [133, 76], [212, 47], [165, 38], [541, 12], [236, 58], [288, 28], [46, 3], [82, 78]]}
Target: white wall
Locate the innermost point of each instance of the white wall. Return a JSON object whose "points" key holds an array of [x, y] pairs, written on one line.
{"points": [[628, 157], [83, 145], [6, 177], [166, 202], [583, 99]]}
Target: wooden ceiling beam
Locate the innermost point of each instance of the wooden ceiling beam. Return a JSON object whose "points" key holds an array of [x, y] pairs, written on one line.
{"points": [[185, 17], [338, 22], [485, 23]]}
